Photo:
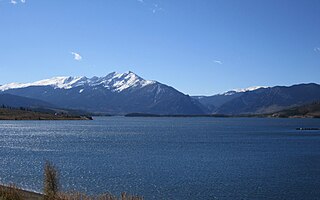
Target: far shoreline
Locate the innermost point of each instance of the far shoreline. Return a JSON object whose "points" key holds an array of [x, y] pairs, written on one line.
{"points": [[24, 114], [223, 116]]}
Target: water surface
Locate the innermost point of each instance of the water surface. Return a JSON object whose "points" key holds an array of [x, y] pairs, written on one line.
{"points": [[167, 158]]}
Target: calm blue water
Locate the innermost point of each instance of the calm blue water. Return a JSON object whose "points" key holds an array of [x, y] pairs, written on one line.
{"points": [[168, 158]]}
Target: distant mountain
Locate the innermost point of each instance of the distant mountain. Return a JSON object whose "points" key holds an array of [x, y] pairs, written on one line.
{"points": [[214, 102], [262, 100], [129, 93], [114, 81], [17, 102], [115, 94], [9, 100]]}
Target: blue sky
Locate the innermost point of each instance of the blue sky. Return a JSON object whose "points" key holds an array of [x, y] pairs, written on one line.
{"points": [[197, 46]]}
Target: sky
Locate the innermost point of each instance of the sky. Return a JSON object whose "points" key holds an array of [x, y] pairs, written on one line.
{"points": [[200, 47]]}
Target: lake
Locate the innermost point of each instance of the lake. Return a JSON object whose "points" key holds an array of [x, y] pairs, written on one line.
{"points": [[167, 158]]}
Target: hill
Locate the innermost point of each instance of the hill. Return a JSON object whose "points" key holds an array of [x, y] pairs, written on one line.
{"points": [[306, 111], [24, 114], [15, 101]]}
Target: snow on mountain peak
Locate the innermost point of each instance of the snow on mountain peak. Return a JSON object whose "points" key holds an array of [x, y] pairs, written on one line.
{"points": [[60, 82], [114, 81], [56, 82], [234, 91], [249, 89], [126, 80]]}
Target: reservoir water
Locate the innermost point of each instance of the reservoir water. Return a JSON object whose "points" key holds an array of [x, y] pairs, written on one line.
{"points": [[167, 158]]}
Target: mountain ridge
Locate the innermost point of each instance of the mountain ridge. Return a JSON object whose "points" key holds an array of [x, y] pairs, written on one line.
{"points": [[114, 93], [123, 93], [262, 100], [112, 80]]}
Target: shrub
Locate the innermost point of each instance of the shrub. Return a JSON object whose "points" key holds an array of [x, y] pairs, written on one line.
{"points": [[51, 190], [51, 182]]}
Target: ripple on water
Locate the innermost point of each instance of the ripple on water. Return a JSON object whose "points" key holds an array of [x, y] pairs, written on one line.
{"points": [[167, 158]]}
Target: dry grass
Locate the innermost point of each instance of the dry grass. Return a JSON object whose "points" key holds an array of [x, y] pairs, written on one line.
{"points": [[10, 193], [15, 193], [51, 191], [107, 196]]}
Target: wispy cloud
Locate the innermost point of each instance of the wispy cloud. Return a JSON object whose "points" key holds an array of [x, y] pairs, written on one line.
{"points": [[218, 62], [156, 8], [14, 2], [153, 7], [76, 56], [317, 49]]}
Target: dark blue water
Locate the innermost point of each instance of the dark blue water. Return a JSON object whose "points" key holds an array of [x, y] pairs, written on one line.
{"points": [[167, 158]]}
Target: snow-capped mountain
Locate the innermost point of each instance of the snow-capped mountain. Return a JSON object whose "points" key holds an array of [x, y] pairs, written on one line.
{"points": [[115, 93], [249, 89], [215, 101], [257, 100], [122, 93], [56, 82], [113, 81]]}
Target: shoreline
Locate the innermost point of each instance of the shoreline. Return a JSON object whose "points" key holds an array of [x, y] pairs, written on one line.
{"points": [[223, 116], [24, 114], [44, 118], [25, 194]]}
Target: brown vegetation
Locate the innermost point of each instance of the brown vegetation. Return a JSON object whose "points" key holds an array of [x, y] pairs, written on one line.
{"points": [[24, 114], [306, 111], [107, 196], [51, 191], [10, 193], [51, 182]]}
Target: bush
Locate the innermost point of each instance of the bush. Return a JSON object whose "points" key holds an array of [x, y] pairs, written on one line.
{"points": [[51, 182], [51, 190]]}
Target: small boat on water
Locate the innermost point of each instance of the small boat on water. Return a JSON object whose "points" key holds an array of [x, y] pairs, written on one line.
{"points": [[308, 129]]}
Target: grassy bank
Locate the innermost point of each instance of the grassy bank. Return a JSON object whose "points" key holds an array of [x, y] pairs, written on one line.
{"points": [[51, 191], [13, 193]]}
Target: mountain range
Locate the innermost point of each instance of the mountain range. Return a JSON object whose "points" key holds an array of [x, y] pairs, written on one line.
{"points": [[113, 94], [261, 99], [123, 93]]}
